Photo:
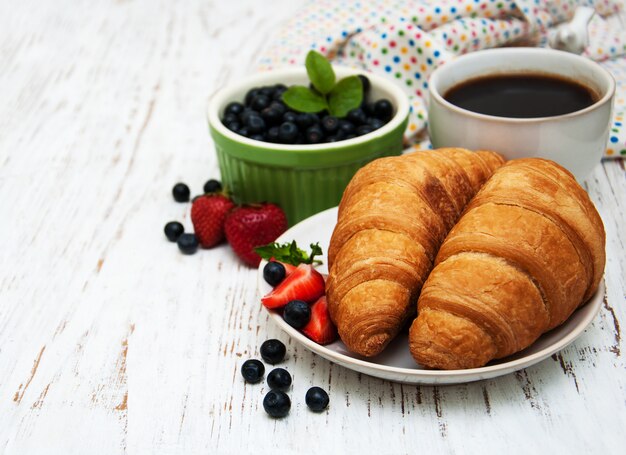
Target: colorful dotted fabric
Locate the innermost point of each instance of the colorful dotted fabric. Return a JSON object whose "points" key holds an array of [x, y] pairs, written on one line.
{"points": [[406, 40]]}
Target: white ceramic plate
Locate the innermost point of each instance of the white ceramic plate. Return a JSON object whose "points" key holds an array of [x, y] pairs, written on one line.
{"points": [[396, 363]]}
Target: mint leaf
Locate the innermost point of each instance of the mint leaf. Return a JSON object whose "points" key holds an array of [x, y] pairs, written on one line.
{"points": [[289, 253], [303, 99], [345, 96], [320, 72]]}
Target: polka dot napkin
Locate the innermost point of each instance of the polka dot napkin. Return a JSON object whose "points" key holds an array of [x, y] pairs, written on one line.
{"points": [[406, 40]]}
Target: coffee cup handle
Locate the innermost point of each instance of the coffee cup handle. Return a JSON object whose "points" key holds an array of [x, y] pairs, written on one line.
{"points": [[572, 36]]}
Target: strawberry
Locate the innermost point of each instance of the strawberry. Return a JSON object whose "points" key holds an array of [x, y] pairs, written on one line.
{"points": [[250, 226], [320, 328], [304, 283], [208, 213]]}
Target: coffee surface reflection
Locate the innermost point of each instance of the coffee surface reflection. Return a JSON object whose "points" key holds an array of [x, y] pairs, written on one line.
{"points": [[521, 95]]}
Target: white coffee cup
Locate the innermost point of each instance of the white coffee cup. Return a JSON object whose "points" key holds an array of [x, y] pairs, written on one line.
{"points": [[575, 140]]}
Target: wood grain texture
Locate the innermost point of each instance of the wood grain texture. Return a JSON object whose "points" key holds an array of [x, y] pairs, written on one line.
{"points": [[112, 342]]}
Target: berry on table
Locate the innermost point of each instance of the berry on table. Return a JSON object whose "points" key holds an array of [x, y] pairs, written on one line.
{"points": [[173, 230], [188, 243], [212, 186], [273, 351], [274, 273], [279, 379], [297, 314], [208, 215], [277, 403], [250, 226], [181, 192], [316, 399], [252, 370]]}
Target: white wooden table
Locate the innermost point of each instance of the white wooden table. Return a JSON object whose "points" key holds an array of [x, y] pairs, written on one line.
{"points": [[111, 341]]}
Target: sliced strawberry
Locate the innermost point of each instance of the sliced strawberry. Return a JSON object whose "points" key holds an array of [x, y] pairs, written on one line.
{"points": [[304, 283], [320, 328], [288, 267]]}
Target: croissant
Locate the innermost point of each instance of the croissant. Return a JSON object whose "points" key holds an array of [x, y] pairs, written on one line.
{"points": [[528, 250], [392, 218]]}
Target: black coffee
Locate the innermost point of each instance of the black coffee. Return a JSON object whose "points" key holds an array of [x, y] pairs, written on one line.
{"points": [[521, 95]]}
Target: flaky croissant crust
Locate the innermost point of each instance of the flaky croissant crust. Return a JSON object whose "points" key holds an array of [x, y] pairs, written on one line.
{"points": [[528, 250], [392, 218]]}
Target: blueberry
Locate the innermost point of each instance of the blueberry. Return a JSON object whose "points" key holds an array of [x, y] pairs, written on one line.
{"points": [[234, 108], [257, 137], [287, 132], [260, 102], [364, 129], [173, 230], [252, 370], [314, 135], [357, 116], [181, 192], [279, 106], [243, 131], [330, 124], [255, 124], [290, 116], [247, 113], [273, 351], [279, 379], [316, 399], [274, 273], [375, 123], [346, 127], [383, 110], [368, 108], [305, 120], [365, 82], [277, 403], [233, 126], [230, 118], [267, 91], [188, 243], [297, 314], [272, 134], [279, 89], [212, 186], [252, 93], [271, 116]]}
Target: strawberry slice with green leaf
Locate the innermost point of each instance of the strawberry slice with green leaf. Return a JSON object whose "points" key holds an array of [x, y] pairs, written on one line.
{"points": [[320, 328], [304, 283]]}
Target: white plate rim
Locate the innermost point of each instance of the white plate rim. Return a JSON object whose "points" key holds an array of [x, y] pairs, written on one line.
{"points": [[422, 376]]}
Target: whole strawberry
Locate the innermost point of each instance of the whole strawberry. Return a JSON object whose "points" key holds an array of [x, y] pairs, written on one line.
{"points": [[250, 226], [208, 213]]}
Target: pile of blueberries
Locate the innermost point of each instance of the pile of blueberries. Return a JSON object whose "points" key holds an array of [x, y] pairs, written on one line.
{"points": [[277, 403], [263, 116]]}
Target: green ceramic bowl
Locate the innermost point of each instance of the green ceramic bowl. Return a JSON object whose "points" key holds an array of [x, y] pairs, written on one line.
{"points": [[302, 179]]}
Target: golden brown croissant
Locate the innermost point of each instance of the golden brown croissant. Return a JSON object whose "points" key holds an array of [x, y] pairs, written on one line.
{"points": [[528, 250], [393, 216]]}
